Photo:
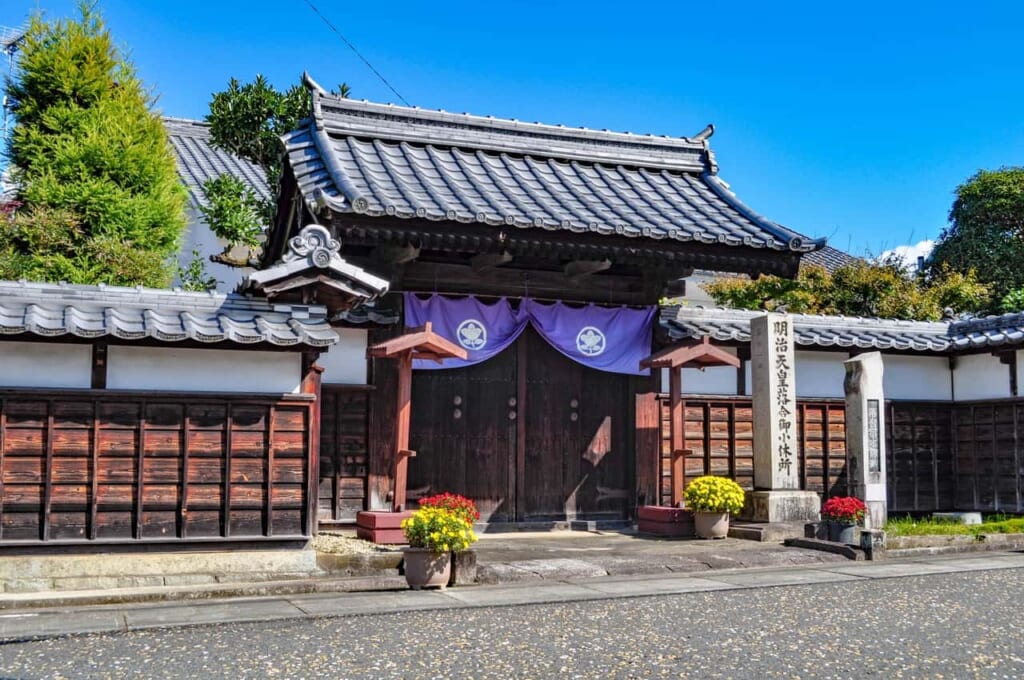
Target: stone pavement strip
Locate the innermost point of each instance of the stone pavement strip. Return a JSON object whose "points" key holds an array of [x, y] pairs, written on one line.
{"points": [[43, 623]]}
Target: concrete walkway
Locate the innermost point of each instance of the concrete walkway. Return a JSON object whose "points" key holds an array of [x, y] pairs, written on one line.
{"points": [[63, 581], [19, 625]]}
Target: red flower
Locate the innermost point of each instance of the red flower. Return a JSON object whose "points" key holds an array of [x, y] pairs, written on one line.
{"points": [[460, 506], [844, 509]]}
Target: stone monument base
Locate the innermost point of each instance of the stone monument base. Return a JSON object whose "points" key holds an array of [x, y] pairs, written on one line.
{"points": [[782, 506]]}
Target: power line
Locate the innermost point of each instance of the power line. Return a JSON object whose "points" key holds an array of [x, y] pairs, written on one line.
{"points": [[358, 54]]}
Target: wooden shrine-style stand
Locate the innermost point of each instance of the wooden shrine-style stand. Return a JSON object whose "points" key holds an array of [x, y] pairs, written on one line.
{"points": [[416, 343], [672, 520]]}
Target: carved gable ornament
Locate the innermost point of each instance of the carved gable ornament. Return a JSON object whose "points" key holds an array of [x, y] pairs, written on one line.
{"points": [[312, 270]]}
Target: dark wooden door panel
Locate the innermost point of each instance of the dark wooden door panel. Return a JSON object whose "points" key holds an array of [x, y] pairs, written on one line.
{"points": [[344, 426], [576, 429], [463, 436], [553, 396], [603, 448]]}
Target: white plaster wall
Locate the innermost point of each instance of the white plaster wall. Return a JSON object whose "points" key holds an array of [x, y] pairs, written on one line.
{"points": [[712, 380], [820, 374], [345, 362], [695, 292], [915, 377], [198, 237], [980, 376], [43, 364], [202, 370], [1020, 371]]}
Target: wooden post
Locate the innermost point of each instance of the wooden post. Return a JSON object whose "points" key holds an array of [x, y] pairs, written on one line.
{"points": [[402, 452], [675, 428], [311, 379]]}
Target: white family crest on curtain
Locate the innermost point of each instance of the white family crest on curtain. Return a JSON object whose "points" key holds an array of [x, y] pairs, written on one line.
{"points": [[484, 330], [613, 339]]}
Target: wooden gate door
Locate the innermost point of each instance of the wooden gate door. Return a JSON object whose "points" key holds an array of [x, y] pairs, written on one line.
{"points": [[577, 459], [464, 436], [343, 452]]}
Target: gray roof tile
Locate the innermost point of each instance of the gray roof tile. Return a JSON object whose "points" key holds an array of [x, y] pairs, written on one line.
{"points": [[54, 310], [828, 257], [199, 160], [732, 325], [384, 160]]}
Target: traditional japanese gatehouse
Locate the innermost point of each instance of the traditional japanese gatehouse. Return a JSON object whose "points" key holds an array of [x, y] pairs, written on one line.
{"points": [[543, 251]]}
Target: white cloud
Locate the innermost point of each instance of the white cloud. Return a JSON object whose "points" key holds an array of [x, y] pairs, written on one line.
{"points": [[909, 254]]}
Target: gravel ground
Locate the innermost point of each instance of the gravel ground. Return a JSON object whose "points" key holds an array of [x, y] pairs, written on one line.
{"points": [[963, 625], [347, 544]]}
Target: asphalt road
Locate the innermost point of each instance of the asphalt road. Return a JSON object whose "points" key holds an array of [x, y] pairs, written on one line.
{"points": [[959, 625]]}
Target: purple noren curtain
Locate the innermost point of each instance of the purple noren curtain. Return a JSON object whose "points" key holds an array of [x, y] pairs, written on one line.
{"points": [[483, 330], [612, 339]]}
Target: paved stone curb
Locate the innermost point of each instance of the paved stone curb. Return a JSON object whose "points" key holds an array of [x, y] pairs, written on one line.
{"points": [[909, 546], [22, 625]]}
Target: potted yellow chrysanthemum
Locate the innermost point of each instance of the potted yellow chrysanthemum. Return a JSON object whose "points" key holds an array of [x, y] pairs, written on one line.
{"points": [[711, 499], [434, 533]]}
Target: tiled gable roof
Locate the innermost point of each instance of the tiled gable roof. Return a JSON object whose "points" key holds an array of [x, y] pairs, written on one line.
{"points": [[54, 310], [733, 325], [199, 160], [385, 160]]}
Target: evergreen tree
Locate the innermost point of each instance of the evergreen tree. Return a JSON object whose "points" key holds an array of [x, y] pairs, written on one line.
{"points": [[986, 234], [248, 121], [100, 198]]}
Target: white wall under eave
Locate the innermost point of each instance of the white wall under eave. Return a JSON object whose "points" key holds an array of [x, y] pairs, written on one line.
{"points": [[820, 374], [345, 362], [917, 377], [203, 370], [712, 380], [1020, 372], [980, 376], [45, 364]]}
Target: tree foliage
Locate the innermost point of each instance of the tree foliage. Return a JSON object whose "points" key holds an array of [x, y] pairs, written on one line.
{"points": [[194, 276], [248, 121], [233, 210], [95, 175], [986, 233], [885, 289]]}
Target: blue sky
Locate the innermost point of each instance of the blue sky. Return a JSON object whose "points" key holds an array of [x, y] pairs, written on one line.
{"points": [[854, 121]]}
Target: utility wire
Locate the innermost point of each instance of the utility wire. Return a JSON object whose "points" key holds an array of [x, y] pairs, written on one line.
{"points": [[358, 54]]}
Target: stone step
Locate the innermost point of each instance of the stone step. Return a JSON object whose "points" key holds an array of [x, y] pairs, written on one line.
{"points": [[766, 532], [37, 573]]}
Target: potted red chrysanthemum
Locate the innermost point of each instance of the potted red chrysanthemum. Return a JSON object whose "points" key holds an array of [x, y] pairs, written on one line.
{"points": [[843, 514]]}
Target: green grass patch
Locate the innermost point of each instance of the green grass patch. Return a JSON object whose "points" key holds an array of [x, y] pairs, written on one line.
{"points": [[928, 526]]}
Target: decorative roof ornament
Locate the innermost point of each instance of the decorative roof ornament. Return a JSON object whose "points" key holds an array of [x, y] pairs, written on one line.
{"points": [[314, 244], [312, 269]]}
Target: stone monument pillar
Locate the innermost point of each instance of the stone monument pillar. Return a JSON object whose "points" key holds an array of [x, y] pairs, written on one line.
{"points": [[777, 496], [865, 442]]}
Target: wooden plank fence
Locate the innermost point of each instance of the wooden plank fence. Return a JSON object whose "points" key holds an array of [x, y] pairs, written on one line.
{"points": [[720, 431], [98, 466]]}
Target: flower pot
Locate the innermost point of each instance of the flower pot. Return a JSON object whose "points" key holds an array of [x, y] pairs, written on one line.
{"points": [[711, 524], [426, 568], [842, 532]]}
